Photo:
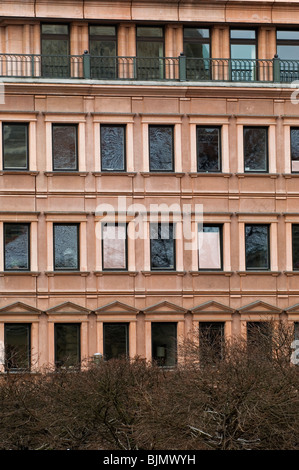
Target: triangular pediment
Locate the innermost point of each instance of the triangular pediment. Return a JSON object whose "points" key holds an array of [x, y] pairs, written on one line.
{"points": [[260, 307], [165, 307], [68, 308], [293, 309], [212, 307], [19, 308], [117, 308]]}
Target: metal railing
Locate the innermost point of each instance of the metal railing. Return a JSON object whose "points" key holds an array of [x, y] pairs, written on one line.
{"points": [[180, 68]]}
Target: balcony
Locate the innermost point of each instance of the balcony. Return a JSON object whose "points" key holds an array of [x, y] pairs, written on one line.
{"points": [[179, 69]]}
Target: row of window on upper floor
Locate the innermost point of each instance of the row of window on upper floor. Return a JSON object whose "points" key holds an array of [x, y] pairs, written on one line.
{"points": [[162, 247], [161, 148]]}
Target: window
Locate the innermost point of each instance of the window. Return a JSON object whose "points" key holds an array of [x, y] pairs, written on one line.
{"points": [[65, 152], [295, 149], [161, 154], [288, 51], [295, 246], [67, 344], [66, 247], [150, 51], [114, 247], [197, 52], [162, 247], [295, 345], [259, 338], [55, 51], [257, 247], [116, 340], [15, 146], [17, 346], [102, 46], [16, 247], [113, 148], [210, 247], [255, 140], [211, 341], [243, 54], [164, 344], [208, 149]]}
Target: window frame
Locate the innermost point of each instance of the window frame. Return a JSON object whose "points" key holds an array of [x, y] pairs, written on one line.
{"points": [[50, 36], [66, 124], [172, 126], [267, 149], [28, 224], [220, 226], [127, 330], [153, 325], [29, 345], [124, 126], [99, 37], [243, 41], [291, 129], [14, 123], [79, 346], [126, 245], [293, 226], [77, 224], [268, 225], [153, 269], [210, 126]]}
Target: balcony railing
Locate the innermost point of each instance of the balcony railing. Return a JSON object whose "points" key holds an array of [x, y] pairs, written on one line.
{"points": [[179, 68]]}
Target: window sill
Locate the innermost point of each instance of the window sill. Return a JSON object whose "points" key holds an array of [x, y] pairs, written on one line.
{"points": [[20, 273], [147, 174], [172, 273], [211, 272], [116, 273], [291, 175], [210, 173], [291, 273], [19, 172], [114, 173], [259, 273], [67, 273], [259, 174], [66, 173]]}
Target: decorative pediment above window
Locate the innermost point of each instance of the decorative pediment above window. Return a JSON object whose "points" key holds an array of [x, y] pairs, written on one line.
{"points": [[19, 308], [171, 312], [212, 311], [292, 312], [68, 308], [259, 310], [116, 311]]}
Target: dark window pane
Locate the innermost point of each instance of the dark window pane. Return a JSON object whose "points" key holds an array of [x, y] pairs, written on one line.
{"points": [[60, 29], [55, 51], [209, 248], [162, 246], [211, 341], [64, 147], [102, 31], [196, 33], [257, 246], [113, 148], [259, 338], [67, 344], [161, 148], [208, 149], [15, 146], [255, 149], [295, 245], [17, 346], [115, 246], [148, 31], [66, 247], [164, 344], [295, 149], [103, 52], [116, 342], [150, 50], [242, 34], [16, 242]]}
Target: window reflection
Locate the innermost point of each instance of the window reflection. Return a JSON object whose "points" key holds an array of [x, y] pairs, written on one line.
{"points": [[164, 344]]}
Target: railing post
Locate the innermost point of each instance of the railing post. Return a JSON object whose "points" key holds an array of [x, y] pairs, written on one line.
{"points": [[182, 67], [230, 73], [86, 65], [276, 69], [32, 65]]}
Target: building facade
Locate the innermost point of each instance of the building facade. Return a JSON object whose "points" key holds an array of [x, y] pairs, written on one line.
{"points": [[115, 114]]}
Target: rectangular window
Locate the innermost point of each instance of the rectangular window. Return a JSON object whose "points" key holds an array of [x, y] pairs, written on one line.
{"points": [[113, 148], [16, 247], [67, 344], [150, 51], [259, 338], [210, 247], [66, 247], [65, 147], [295, 149], [288, 52], [295, 355], [116, 340], [255, 149], [114, 247], [208, 145], [55, 50], [17, 346], [161, 148], [197, 52], [257, 247], [103, 52], [164, 344], [211, 341], [295, 246], [162, 243], [15, 146], [243, 47]]}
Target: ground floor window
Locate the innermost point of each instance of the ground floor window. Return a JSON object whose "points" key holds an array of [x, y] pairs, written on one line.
{"points": [[17, 346], [67, 344], [164, 344], [211, 341], [116, 340]]}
